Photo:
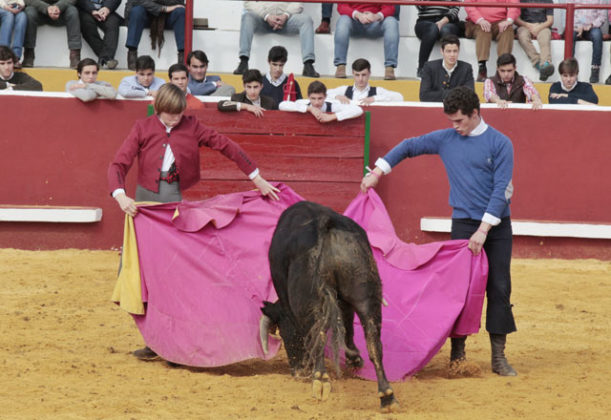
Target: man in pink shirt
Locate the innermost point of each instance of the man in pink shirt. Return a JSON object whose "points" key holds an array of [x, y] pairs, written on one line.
{"points": [[484, 23]]}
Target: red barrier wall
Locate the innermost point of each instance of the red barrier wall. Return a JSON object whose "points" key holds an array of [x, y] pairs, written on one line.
{"points": [[56, 152]]}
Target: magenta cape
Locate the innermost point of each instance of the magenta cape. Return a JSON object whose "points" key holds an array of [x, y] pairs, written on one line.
{"points": [[205, 274]]}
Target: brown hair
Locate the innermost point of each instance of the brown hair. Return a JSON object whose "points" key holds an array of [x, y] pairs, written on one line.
{"points": [[170, 99], [568, 66]]}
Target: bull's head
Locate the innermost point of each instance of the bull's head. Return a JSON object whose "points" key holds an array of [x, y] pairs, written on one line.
{"points": [[275, 315]]}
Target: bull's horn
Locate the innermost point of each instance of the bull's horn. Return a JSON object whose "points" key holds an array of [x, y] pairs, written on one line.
{"points": [[264, 324]]}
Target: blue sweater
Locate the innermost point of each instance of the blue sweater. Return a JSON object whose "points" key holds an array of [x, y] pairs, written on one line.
{"points": [[479, 169], [203, 87]]}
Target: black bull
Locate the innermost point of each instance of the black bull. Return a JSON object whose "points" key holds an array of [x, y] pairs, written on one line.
{"points": [[323, 272]]}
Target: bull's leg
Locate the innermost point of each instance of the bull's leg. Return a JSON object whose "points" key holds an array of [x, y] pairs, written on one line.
{"points": [[321, 385], [353, 356], [372, 325]]}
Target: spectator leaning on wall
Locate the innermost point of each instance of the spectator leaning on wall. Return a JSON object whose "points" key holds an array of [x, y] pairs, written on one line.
{"points": [[87, 87], [144, 83], [202, 84], [568, 90], [507, 86], [251, 99], [10, 80]]}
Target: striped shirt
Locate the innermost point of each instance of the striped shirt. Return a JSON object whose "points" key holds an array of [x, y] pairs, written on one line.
{"points": [[429, 12]]}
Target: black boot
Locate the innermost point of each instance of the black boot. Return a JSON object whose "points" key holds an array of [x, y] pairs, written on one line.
{"points": [[308, 69], [146, 354], [242, 67], [132, 56], [500, 364], [181, 57], [595, 75], [458, 349], [28, 57], [482, 74]]}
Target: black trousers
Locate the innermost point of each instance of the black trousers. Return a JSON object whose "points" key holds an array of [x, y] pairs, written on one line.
{"points": [[499, 316], [105, 48]]}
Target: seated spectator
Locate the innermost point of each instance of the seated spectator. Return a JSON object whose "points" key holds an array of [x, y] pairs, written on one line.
{"points": [[507, 86], [144, 83], [54, 13], [9, 80], [201, 84], [325, 23], [439, 77], [282, 18], [361, 93], [370, 20], [179, 76], [101, 14], [536, 23], [87, 87], [13, 22], [158, 15], [587, 26], [251, 99], [434, 22], [275, 81], [485, 23], [568, 90], [317, 105]]}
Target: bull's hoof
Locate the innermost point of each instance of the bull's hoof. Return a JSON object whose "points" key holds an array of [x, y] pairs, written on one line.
{"points": [[388, 402], [354, 362], [321, 386]]}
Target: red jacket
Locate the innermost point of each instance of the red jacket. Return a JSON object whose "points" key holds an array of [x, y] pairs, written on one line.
{"points": [[349, 8], [148, 140]]}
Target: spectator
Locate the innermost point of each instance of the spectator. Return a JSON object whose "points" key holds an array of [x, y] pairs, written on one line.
{"points": [[361, 93], [568, 90], [325, 23], [275, 81], [101, 14], [439, 77], [484, 23], [9, 80], [370, 20], [144, 82], [536, 23], [13, 23], [434, 22], [251, 99], [54, 13], [279, 17], [158, 15], [201, 84], [317, 105], [507, 86], [587, 26], [87, 88], [179, 76]]}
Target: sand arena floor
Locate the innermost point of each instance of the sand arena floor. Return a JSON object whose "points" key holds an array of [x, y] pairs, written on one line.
{"points": [[65, 354]]}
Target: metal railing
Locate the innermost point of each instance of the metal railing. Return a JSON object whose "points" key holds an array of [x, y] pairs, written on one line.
{"points": [[569, 7]]}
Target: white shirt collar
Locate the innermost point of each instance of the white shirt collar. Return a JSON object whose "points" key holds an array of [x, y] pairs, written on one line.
{"points": [[167, 129], [567, 89], [481, 127], [278, 82], [450, 71], [8, 78]]}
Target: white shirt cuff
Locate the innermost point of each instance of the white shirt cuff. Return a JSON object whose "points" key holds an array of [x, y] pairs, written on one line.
{"points": [[490, 219], [117, 192], [384, 166], [238, 107], [253, 174], [510, 20]]}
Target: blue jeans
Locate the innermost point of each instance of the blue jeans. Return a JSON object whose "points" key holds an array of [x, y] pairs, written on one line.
{"points": [[428, 33], [388, 28], [140, 19], [326, 10], [12, 28], [596, 36], [298, 23]]}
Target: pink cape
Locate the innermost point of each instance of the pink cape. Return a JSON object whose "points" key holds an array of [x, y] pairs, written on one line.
{"points": [[205, 274]]}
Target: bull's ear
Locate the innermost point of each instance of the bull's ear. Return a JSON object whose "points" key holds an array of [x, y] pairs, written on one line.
{"points": [[272, 310]]}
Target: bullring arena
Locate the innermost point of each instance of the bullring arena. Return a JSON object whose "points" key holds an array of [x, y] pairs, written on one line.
{"points": [[65, 351]]}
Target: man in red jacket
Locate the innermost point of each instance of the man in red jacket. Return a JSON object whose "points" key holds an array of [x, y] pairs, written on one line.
{"points": [[369, 20], [485, 23]]}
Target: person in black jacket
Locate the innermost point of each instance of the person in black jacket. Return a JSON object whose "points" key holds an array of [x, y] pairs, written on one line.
{"points": [[101, 14], [568, 90], [251, 99], [441, 76], [14, 81]]}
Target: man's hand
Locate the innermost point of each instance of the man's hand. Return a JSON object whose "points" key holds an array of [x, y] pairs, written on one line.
{"points": [[558, 95], [78, 86], [442, 22], [127, 204], [153, 93], [265, 187], [476, 241], [53, 12], [170, 9], [277, 21], [366, 17], [504, 24], [503, 104], [537, 104], [579, 31], [325, 118], [485, 25], [535, 28], [14, 10], [342, 99], [316, 112], [371, 180], [257, 110], [367, 101]]}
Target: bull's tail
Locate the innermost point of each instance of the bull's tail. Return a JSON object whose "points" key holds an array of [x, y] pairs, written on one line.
{"points": [[328, 326]]}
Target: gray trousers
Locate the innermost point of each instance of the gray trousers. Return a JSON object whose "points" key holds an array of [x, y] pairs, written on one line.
{"points": [[168, 193], [69, 18]]}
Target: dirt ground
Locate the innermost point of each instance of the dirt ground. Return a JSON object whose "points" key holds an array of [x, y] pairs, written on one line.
{"points": [[65, 354]]}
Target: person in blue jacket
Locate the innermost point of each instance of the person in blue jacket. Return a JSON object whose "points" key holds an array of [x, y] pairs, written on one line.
{"points": [[479, 165]]}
